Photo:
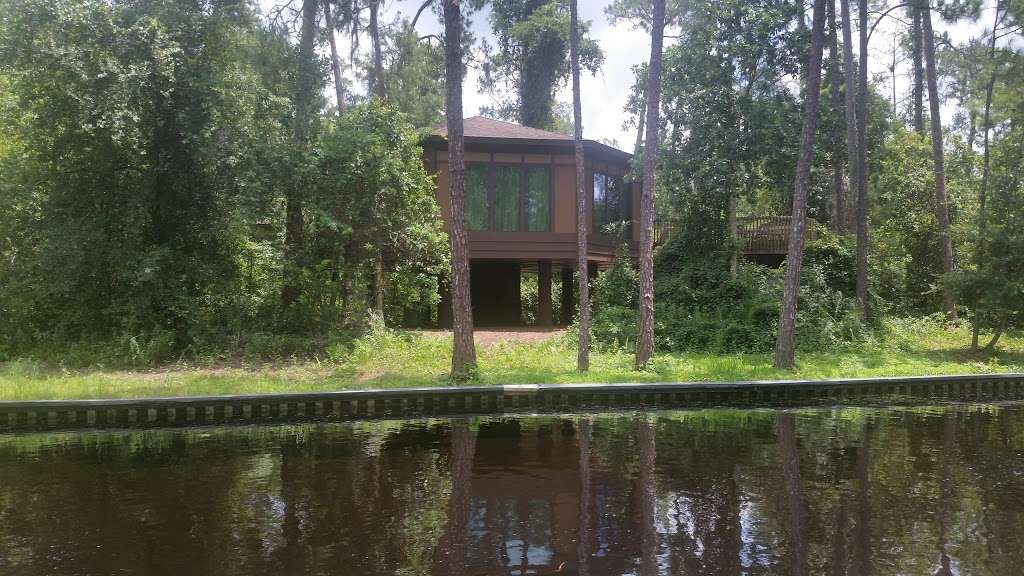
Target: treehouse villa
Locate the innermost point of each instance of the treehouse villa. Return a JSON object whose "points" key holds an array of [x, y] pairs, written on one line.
{"points": [[521, 216]]}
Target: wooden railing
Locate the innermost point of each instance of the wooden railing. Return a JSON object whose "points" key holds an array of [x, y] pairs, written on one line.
{"points": [[760, 234], [770, 234]]}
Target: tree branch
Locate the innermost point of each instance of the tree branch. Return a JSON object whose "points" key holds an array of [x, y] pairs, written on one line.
{"points": [[419, 12], [882, 17]]}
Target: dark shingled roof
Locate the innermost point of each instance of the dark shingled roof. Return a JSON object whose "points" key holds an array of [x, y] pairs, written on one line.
{"points": [[480, 127]]}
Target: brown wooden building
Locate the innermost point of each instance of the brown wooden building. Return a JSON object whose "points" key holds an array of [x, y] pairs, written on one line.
{"points": [[521, 213]]}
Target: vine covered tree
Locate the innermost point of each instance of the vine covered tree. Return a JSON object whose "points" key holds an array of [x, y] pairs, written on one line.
{"points": [[531, 59]]}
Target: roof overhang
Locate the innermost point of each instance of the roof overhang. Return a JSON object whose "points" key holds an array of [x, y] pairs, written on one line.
{"points": [[541, 146]]}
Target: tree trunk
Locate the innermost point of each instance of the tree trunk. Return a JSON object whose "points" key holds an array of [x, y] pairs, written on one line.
{"points": [[840, 218], [638, 148], [305, 86], [852, 128], [785, 345], [583, 352], [377, 87], [645, 339], [734, 236], [985, 169], [380, 91], [916, 49], [464, 350], [862, 164], [991, 346], [941, 205], [378, 285], [451, 551], [339, 83]]}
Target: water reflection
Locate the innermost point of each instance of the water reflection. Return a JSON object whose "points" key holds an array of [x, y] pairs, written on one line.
{"points": [[844, 492]]}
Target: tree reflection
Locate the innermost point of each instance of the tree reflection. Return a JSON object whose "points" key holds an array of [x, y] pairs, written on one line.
{"points": [[452, 549], [583, 526], [794, 497], [648, 530]]}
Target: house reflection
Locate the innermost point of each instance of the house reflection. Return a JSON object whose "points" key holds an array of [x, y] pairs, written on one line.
{"points": [[526, 505]]}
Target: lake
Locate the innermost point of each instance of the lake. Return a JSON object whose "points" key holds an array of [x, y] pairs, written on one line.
{"points": [[856, 491]]}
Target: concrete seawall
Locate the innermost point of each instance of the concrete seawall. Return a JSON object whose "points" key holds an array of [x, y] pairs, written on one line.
{"points": [[499, 399]]}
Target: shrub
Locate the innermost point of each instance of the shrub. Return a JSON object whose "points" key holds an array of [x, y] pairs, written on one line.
{"points": [[700, 306]]}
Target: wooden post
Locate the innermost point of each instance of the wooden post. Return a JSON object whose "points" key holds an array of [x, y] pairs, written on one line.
{"points": [[544, 293], [567, 299]]}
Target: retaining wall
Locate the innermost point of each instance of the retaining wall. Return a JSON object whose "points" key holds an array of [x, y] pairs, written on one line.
{"points": [[502, 399]]}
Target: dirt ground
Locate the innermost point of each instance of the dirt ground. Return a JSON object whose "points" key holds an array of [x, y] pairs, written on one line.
{"points": [[494, 336]]}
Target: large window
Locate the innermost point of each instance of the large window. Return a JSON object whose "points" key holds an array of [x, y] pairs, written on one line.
{"points": [[611, 202], [537, 199], [508, 198]]}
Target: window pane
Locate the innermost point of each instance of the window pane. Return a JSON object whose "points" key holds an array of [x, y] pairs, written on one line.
{"points": [[600, 198], [538, 199], [613, 205], [477, 213], [506, 198]]}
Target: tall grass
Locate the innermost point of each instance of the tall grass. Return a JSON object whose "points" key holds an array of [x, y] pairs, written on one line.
{"points": [[385, 358]]}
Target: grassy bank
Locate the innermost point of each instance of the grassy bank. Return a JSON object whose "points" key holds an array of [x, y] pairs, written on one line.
{"points": [[386, 359]]}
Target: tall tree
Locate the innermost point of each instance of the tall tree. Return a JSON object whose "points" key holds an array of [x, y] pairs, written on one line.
{"points": [[938, 160], [339, 81], [378, 89], [840, 218], [377, 80], [305, 94], [986, 159], [583, 352], [645, 338], [786, 342], [463, 350], [862, 163], [916, 55]]}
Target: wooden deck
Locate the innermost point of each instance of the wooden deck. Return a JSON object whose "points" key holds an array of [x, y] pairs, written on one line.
{"points": [[761, 235]]}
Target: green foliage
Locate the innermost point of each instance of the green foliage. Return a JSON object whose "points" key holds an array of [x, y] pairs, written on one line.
{"points": [[836, 258], [994, 290], [530, 299], [700, 306], [372, 197], [147, 131], [614, 299], [146, 150], [906, 267], [414, 75]]}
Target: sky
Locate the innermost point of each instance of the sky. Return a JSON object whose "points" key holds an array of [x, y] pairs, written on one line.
{"points": [[604, 95]]}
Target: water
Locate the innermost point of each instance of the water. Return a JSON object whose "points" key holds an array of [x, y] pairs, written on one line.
{"points": [[819, 491]]}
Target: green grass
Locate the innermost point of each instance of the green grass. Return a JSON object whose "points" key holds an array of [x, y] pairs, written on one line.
{"points": [[390, 359]]}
